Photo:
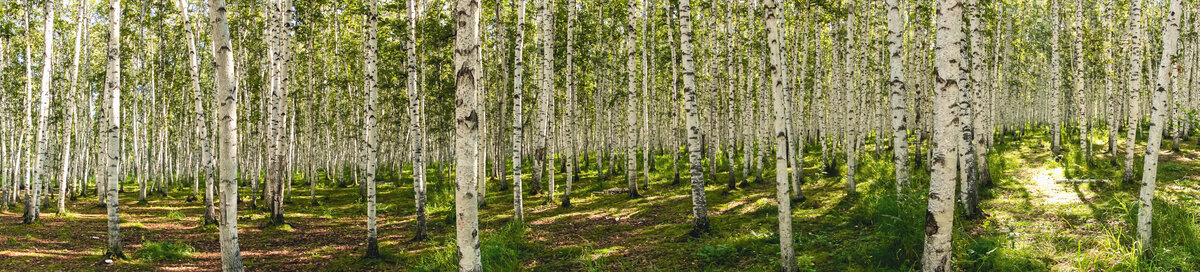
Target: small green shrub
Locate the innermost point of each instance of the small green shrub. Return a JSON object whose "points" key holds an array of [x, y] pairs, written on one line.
{"points": [[164, 251], [719, 255], [176, 215]]}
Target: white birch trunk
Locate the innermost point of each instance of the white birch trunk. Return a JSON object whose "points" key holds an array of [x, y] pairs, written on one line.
{"points": [[370, 143], [778, 75], [895, 28], [518, 116], [466, 130], [939, 218], [1166, 67], [699, 204], [112, 129], [33, 202], [231, 259]]}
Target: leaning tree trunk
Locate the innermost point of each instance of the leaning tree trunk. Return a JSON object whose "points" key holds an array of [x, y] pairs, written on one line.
{"points": [[112, 128], [939, 218], [231, 258], [1166, 67], [699, 205], [466, 130], [33, 202], [778, 75], [206, 164], [1134, 83], [370, 58]]}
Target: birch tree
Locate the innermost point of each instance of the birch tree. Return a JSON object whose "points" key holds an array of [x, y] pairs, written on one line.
{"points": [[370, 142], [1134, 85], [895, 28], [112, 129], [416, 121], [782, 183], [231, 258], [466, 134], [546, 84], [33, 202], [82, 8], [1056, 121], [569, 111], [1166, 68], [518, 118], [699, 204], [631, 148], [939, 219]]}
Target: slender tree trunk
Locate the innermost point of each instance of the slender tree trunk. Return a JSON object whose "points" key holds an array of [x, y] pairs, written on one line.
{"points": [[544, 99], [939, 218], [1134, 86], [83, 6], [631, 149], [699, 204], [896, 81], [1056, 121], [569, 111], [778, 75], [968, 173], [416, 120], [1166, 67], [33, 202], [231, 258], [112, 128], [369, 135], [518, 116]]}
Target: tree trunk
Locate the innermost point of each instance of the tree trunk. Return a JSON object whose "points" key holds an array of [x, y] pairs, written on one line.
{"points": [[518, 118], [569, 111], [112, 128], [546, 32], [370, 142], [631, 174], [466, 130], [231, 259], [1134, 86], [699, 205], [33, 202], [895, 27], [778, 75], [1055, 122], [1166, 67], [939, 218], [416, 120]]}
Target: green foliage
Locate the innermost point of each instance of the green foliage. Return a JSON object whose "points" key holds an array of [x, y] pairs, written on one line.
{"points": [[897, 224], [719, 255], [176, 215], [502, 250], [164, 251]]}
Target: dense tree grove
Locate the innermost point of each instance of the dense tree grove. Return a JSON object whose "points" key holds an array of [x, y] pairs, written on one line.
{"points": [[233, 103]]}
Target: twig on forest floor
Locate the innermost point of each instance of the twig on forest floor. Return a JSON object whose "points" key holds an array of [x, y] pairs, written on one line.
{"points": [[1080, 180]]}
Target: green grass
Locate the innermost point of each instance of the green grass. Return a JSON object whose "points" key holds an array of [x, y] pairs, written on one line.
{"points": [[164, 251]]}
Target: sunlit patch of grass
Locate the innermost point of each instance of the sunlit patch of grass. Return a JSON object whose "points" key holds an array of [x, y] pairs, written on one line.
{"points": [[138, 225], [176, 215], [164, 251]]}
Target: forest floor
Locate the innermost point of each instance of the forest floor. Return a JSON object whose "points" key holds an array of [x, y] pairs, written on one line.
{"points": [[1030, 223]]}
